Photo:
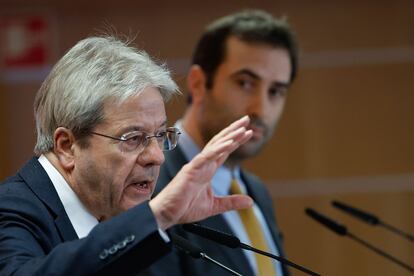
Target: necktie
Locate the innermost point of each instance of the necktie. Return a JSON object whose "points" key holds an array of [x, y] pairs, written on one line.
{"points": [[255, 233]]}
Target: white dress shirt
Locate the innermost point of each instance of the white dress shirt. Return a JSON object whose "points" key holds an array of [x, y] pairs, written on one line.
{"points": [[79, 216]]}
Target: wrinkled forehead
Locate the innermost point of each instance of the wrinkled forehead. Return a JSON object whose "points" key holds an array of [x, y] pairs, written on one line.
{"points": [[143, 111]]}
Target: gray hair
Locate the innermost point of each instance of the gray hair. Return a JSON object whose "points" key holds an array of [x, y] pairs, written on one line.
{"points": [[94, 70]]}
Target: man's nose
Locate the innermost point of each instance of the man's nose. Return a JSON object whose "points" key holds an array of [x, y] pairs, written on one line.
{"points": [[152, 154], [258, 104]]}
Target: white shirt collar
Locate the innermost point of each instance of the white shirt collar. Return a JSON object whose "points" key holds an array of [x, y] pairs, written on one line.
{"points": [[82, 220]]}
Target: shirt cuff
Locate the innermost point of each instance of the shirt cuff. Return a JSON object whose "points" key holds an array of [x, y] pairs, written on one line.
{"points": [[164, 235]]}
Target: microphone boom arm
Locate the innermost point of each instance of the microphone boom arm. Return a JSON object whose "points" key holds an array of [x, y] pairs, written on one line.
{"points": [[196, 252], [282, 260], [234, 242], [206, 257], [380, 252], [370, 219], [343, 231]]}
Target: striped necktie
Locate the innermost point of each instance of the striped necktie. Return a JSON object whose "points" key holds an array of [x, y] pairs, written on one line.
{"points": [[255, 233]]}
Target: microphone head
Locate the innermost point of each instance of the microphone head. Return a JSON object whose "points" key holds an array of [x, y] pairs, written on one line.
{"points": [[186, 246], [368, 218], [334, 226], [214, 235]]}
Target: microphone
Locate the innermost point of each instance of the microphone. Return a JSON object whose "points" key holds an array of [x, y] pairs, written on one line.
{"points": [[343, 231], [234, 242], [370, 219], [195, 252]]}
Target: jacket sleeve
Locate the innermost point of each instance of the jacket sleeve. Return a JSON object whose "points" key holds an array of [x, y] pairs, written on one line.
{"points": [[30, 245]]}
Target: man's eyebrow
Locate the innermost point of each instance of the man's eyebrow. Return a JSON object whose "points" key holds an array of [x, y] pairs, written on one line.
{"points": [[164, 124], [245, 71], [281, 84], [255, 76], [140, 128]]}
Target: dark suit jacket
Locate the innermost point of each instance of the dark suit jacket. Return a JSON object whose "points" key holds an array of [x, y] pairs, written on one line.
{"points": [[177, 263], [37, 238]]}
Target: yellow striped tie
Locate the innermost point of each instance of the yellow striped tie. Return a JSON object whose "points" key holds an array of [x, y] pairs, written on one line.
{"points": [[255, 233]]}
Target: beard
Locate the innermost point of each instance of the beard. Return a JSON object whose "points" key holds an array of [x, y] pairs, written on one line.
{"points": [[248, 150], [210, 127], [255, 145], [215, 115]]}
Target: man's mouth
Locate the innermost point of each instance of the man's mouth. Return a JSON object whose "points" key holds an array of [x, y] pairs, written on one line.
{"points": [[144, 186], [258, 132]]}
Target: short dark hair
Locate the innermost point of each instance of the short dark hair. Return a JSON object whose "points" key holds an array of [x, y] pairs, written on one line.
{"points": [[253, 26]]}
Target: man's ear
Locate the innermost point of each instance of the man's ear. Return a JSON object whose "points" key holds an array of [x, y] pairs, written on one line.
{"points": [[64, 143], [196, 83]]}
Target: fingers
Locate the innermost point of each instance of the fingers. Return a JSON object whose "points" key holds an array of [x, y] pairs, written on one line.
{"points": [[232, 202], [246, 136], [170, 206], [219, 148], [242, 122], [211, 154], [229, 144], [235, 132]]}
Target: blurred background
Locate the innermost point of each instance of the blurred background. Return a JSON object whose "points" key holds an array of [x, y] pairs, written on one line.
{"points": [[347, 132]]}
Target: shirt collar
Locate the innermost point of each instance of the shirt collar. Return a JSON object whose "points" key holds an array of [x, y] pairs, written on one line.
{"points": [[82, 220]]}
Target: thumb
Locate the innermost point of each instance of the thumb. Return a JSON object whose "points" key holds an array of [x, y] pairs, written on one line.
{"points": [[231, 202]]}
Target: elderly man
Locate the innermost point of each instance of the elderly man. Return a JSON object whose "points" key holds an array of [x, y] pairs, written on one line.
{"points": [[82, 205]]}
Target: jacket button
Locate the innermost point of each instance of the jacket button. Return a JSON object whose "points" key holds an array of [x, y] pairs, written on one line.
{"points": [[122, 244], [103, 255], [130, 239], [113, 250]]}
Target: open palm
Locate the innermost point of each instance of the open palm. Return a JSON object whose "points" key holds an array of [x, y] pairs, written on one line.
{"points": [[189, 196]]}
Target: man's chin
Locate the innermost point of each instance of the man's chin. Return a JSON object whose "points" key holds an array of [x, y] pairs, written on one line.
{"points": [[130, 203], [247, 150]]}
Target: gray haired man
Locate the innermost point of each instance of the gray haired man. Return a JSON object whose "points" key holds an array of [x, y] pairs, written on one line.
{"points": [[83, 205]]}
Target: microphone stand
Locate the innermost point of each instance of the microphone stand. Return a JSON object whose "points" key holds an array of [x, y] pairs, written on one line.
{"points": [[397, 231], [370, 219], [196, 252], [379, 251], [234, 242], [207, 258], [284, 261], [343, 231]]}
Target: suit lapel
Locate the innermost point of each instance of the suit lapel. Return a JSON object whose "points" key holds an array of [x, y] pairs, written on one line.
{"points": [[175, 160], [39, 182]]}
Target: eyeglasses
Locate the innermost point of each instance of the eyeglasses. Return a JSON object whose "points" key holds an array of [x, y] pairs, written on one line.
{"points": [[131, 141]]}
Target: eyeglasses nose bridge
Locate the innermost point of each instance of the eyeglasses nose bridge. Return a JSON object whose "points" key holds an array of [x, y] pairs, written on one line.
{"points": [[147, 139]]}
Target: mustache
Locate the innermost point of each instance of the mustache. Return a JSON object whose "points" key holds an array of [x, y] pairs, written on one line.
{"points": [[258, 123], [151, 173]]}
